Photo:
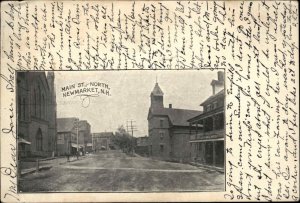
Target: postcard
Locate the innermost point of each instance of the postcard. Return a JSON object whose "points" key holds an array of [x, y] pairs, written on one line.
{"points": [[139, 101]]}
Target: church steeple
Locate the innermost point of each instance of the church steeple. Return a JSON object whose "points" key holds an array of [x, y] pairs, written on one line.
{"points": [[157, 97]]}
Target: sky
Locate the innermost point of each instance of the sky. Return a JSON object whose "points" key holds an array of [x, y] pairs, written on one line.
{"points": [[130, 95]]}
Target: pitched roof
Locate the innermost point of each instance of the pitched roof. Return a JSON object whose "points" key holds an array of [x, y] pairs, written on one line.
{"points": [[178, 117], [65, 124], [209, 99], [157, 91]]}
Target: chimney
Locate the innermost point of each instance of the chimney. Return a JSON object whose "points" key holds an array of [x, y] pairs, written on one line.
{"points": [[217, 85], [170, 106], [220, 76]]}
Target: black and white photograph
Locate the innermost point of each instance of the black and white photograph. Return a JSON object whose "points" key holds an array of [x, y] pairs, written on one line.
{"points": [[120, 131]]}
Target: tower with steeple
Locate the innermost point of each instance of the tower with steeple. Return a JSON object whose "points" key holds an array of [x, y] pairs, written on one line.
{"points": [[157, 98]]}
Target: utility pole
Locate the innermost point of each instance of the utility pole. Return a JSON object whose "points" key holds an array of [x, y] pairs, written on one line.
{"points": [[92, 142], [77, 132], [131, 128]]}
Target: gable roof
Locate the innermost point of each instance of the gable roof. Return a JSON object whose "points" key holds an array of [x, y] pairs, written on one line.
{"points": [[65, 124], [177, 117], [209, 99], [157, 91]]}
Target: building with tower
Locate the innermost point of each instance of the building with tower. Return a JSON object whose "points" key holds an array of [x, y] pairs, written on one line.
{"points": [[168, 129], [36, 113]]}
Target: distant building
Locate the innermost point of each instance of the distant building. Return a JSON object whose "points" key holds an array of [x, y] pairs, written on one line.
{"points": [[207, 144], [168, 129], [67, 135], [89, 145], [85, 137], [36, 111], [142, 146], [102, 141]]}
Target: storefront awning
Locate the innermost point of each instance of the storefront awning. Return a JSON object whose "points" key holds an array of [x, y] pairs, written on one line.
{"points": [[75, 145], [23, 141]]}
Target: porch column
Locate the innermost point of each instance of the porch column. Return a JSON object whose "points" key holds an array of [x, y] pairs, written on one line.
{"points": [[214, 153], [214, 122], [202, 144]]}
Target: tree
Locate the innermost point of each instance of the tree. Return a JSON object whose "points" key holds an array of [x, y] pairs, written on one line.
{"points": [[124, 140]]}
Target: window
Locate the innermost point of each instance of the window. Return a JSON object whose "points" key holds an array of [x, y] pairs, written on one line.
{"points": [[19, 108], [43, 107], [161, 124], [34, 102], [39, 140], [208, 107], [161, 135], [208, 124], [74, 138], [23, 109], [215, 105], [219, 122], [161, 148], [39, 114], [60, 139]]}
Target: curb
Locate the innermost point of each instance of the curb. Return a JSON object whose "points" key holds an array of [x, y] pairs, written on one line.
{"points": [[33, 170], [212, 168], [46, 167]]}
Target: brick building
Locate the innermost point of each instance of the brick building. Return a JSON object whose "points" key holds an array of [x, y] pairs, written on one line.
{"points": [[36, 114], [168, 129], [102, 141], [85, 136], [207, 143]]}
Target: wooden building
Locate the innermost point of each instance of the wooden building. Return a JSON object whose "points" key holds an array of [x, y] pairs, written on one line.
{"points": [[207, 143], [68, 131]]}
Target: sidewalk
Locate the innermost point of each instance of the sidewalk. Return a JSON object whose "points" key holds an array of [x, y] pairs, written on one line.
{"points": [[30, 167]]}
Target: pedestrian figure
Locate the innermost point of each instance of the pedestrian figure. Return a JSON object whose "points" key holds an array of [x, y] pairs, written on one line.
{"points": [[68, 157], [77, 154]]}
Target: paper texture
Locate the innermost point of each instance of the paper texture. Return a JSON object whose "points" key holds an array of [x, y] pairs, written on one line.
{"points": [[255, 43]]}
